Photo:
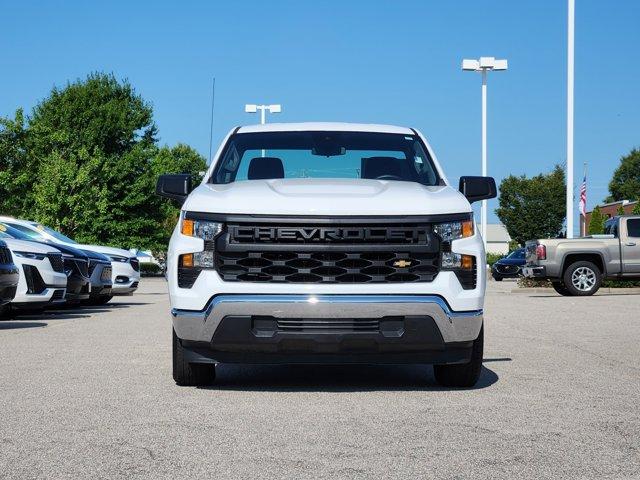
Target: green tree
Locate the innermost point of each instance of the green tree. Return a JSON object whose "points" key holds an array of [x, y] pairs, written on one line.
{"points": [[89, 161], [98, 113], [532, 207], [16, 174], [620, 210], [625, 183], [636, 208], [596, 223]]}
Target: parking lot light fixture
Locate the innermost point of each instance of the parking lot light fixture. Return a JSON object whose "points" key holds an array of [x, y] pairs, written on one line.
{"points": [[484, 65], [253, 108]]}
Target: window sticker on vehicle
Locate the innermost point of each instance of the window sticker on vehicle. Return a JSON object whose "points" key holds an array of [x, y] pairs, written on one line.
{"points": [[419, 160]]}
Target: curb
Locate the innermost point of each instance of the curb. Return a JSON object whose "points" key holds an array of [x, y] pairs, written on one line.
{"points": [[615, 291]]}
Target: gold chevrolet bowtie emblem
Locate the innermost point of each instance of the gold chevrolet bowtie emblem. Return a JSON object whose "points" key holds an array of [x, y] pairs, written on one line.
{"points": [[402, 263]]}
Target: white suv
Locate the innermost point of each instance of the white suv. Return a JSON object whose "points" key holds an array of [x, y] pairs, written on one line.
{"points": [[326, 243], [42, 280], [125, 267]]}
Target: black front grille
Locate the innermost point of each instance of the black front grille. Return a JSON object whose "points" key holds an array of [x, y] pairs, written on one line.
{"points": [[327, 267], [92, 266], [309, 253], [5, 256], [83, 267], [57, 263], [76, 265], [507, 269]]}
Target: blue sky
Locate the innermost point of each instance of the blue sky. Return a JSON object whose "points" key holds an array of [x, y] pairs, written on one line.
{"points": [[362, 61]]}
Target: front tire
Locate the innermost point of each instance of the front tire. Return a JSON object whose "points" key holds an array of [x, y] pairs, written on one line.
{"points": [[497, 278], [190, 374], [582, 278], [464, 375]]}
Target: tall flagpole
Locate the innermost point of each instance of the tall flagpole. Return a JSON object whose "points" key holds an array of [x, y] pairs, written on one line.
{"points": [[570, 49], [583, 213]]}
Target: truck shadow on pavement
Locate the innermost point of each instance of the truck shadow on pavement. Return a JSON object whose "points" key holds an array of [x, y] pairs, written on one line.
{"points": [[334, 378], [13, 324]]}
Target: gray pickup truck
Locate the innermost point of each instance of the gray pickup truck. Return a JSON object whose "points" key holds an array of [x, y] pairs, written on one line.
{"points": [[578, 266]]}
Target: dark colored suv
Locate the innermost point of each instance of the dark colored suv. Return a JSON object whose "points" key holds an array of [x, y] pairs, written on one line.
{"points": [[509, 266]]}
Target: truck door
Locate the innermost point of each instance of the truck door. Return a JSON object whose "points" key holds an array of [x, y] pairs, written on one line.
{"points": [[631, 246]]}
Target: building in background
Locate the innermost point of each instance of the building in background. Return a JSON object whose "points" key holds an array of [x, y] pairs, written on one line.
{"points": [[497, 239], [608, 210]]}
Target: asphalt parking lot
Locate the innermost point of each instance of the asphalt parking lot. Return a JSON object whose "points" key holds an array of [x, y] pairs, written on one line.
{"points": [[88, 394]]}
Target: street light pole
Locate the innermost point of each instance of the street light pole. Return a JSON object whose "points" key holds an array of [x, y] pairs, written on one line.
{"points": [[483, 65], [253, 108], [483, 210], [570, 59]]}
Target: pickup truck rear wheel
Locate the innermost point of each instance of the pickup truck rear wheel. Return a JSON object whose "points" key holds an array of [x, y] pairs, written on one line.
{"points": [[582, 278], [463, 375], [561, 289], [190, 374]]}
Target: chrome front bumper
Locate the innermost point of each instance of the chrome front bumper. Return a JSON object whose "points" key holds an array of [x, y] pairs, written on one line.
{"points": [[200, 326]]}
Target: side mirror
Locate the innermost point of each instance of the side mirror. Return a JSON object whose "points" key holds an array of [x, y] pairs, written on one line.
{"points": [[478, 188], [176, 186]]}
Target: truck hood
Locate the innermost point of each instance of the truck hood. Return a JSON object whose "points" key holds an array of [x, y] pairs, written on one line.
{"points": [[326, 197]]}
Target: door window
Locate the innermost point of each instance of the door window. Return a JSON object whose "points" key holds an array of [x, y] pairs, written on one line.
{"points": [[633, 227]]}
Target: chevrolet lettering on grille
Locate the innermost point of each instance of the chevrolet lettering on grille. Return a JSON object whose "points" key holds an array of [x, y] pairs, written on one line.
{"points": [[258, 234]]}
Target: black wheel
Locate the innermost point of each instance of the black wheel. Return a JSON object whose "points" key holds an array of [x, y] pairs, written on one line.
{"points": [[102, 299], [497, 278], [561, 289], [582, 278], [190, 374], [464, 375], [5, 311]]}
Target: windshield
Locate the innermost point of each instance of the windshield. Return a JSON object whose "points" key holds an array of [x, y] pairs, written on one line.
{"points": [[54, 234], [26, 231], [517, 254], [366, 155], [7, 231]]}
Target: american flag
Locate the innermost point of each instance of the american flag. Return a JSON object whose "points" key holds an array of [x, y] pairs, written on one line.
{"points": [[583, 196]]}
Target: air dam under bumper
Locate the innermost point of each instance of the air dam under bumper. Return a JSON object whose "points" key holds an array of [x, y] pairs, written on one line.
{"points": [[327, 329]]}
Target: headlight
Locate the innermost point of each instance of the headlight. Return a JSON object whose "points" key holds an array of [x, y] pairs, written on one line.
{"points": [[31, 255], [203, 229], [118, 258], [450, 231], [207, 231], [462, 265], [452, 261]]}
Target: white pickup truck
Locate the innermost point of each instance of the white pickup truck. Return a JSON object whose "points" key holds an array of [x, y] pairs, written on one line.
{"points": [[326, 243]]}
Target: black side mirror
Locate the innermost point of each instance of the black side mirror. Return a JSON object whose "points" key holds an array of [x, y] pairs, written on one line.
{"points": [[176, 186], [478, 188]]}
